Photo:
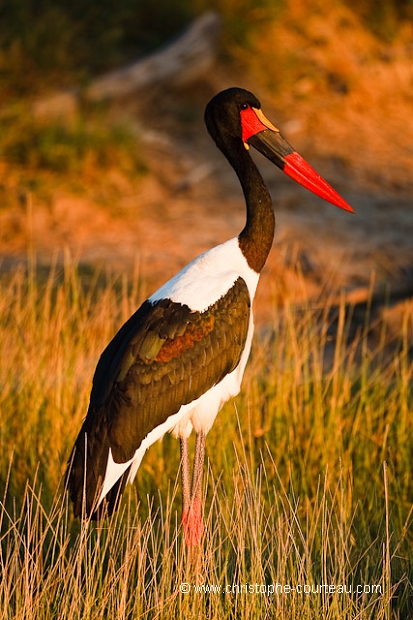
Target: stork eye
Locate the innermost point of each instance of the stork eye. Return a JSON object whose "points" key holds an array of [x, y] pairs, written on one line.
{"points": [[244, 106]]}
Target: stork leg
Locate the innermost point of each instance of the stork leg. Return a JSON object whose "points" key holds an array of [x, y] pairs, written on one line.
{"points": [[192, 520]]}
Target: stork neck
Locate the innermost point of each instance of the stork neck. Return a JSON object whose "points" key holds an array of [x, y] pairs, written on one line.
{"points": [[255, 240]]}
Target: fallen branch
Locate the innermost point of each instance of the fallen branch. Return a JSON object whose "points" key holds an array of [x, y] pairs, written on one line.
{"points": [[178, 63]]}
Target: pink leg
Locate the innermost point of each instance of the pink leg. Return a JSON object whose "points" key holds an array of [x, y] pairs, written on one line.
{"points": [[192, 520]]}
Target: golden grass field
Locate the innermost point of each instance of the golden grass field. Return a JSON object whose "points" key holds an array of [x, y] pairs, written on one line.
{"points": [[308, 480]]}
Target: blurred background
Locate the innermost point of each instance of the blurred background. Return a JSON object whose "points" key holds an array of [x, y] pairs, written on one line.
{"points": [[119, 175]]}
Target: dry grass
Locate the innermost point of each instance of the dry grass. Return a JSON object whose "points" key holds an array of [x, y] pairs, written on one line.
{"points": [[309, 471]]}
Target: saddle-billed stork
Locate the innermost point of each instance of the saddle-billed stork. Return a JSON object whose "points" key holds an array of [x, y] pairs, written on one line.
{"points": [[182, 355]]}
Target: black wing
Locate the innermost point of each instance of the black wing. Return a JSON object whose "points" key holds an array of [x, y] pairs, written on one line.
{"points": [[163, 357]]}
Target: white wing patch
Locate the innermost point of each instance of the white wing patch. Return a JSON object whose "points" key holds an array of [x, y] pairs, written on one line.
{"points": [[208, 277], [115, 470]]}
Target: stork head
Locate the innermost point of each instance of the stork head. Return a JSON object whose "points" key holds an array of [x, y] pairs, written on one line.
{"points": [[234, 119]]}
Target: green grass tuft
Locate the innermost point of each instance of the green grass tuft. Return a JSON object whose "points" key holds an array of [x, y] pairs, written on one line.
{"points": [[89, 142]]}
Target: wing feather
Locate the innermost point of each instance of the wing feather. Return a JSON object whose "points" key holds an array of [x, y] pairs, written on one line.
{"points": [[163, 357]]}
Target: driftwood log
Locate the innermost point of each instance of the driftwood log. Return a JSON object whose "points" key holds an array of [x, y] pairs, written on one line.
{"points": [[178, 63]]}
